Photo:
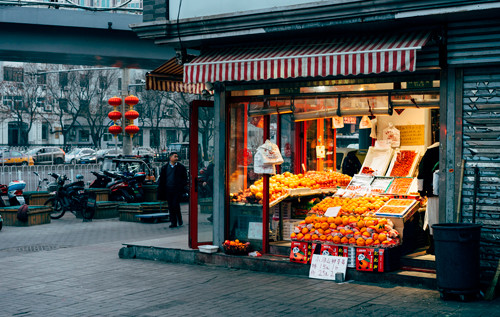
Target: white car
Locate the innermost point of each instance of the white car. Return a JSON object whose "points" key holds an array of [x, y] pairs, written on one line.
{"points": [[74, 155]]}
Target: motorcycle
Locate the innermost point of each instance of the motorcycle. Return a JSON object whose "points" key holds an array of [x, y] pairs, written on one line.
{"points": [[12, 195], [69, 197], [101, 180], [126, 187]]}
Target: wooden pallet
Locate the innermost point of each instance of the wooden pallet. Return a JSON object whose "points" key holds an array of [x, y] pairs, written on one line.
{"points": [[129, 211]]}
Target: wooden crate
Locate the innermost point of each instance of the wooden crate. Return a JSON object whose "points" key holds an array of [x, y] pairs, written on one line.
{"points": [[105, 210], [128, 211], [101, 194], [37, 215], [37, 198], [150, 192]]}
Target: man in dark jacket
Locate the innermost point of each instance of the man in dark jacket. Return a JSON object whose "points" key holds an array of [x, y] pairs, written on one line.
{"points": [[171, 185]]}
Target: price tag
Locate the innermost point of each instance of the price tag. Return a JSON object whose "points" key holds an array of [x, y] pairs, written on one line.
{"points": [[332, 211], [325, 266]]}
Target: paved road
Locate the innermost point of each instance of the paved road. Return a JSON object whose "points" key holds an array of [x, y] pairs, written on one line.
{"points": [[83, 276]]}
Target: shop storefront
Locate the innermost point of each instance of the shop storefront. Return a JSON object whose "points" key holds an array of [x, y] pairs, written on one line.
{"points": [[317, 123], [309, 94]]}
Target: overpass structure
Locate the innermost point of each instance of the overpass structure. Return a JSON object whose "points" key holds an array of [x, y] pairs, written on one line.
{"points": [[41, 35]]}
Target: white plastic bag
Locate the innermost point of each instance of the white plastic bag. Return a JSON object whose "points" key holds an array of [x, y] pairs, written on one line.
{"points": [[365, 123], [260, 168], [392, 135], [270, 153]]}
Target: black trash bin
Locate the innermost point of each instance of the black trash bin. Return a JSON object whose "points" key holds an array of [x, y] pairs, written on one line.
{"points": [[457, 258]]}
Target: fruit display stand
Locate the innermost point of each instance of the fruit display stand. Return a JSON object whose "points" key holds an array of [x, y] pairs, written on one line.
{"points": [[101, 194], [37, 215], [129, 211], [36, 198]]}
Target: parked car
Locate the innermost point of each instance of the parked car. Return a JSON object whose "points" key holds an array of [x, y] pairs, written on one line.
{"points": [[47, 155], [144, 152], [87, 159], [15, 158], [75, 155], [114, 153]]}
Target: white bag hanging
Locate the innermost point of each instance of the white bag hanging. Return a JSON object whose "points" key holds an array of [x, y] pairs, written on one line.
{"points": [[337, 122], [392, 135], [365, 123], [270, 153]]}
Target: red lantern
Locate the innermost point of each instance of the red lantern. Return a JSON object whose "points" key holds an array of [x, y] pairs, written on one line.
{"points": [[131, 100], [115, 130], [115, 101], [131, 129], [131, 115], [115, 115]]}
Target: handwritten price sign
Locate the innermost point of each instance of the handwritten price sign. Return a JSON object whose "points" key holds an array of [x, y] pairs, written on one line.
{"points": [[325, 267]]}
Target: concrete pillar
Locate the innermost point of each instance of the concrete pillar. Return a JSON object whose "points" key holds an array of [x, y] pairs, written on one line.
{"points": [[220, 194]]}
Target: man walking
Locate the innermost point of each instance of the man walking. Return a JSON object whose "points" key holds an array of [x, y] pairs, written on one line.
{"points": [[171, 185]]}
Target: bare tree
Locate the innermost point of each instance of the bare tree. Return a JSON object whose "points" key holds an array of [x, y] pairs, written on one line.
{"points": [[24, 94], [154, 110]]}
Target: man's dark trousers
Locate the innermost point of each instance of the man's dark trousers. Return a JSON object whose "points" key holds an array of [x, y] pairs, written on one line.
{"points": [[174, 206]]}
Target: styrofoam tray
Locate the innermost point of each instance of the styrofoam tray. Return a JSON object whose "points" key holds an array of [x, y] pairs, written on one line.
{"points": [[208, 248], [377, 159]]}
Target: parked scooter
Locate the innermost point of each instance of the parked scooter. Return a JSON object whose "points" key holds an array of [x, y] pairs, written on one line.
{"points": [[12, 195], [101, 180], [71, 197], [126, 188]]}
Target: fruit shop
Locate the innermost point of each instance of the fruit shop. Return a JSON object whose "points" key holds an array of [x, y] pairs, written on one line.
{"points": [[351, 148]]}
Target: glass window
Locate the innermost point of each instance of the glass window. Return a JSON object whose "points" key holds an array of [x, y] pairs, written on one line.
{"points": [[45, 131], [287, 126], [245, 136]]}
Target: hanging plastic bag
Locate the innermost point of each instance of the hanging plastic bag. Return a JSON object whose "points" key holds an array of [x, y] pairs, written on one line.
{"points": [[270, 153], [337, 122], [260, 168], [392, 135], [365, 123]]}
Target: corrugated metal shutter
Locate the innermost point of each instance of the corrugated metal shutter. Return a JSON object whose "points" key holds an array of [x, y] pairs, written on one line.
{"points": [[481, 148], [428, 56], [474, 42]]}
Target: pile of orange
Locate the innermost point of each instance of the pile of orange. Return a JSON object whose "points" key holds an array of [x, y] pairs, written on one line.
{"points": [[347, 230], [329, 179], [349, 206]]}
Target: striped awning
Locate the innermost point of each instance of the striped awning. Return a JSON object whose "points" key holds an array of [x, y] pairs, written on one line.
{"points": [[168, 77], [348, 56]]}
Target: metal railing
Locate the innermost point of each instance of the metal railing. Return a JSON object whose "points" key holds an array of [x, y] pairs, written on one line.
{"points": [[25, 173]]}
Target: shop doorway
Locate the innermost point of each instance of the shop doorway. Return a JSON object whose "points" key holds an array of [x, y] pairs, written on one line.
{"points": [[201, 173]]}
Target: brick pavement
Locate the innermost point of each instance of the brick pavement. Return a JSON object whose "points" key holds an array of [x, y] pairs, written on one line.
{"points": [[88, 279], [92, 281]]}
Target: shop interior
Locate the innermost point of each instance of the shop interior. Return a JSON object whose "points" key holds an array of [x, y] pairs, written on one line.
{"points": [[357, 144]]}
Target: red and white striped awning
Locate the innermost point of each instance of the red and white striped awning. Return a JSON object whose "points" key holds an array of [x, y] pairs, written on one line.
{"points": [[352, 56], [168, 77]]}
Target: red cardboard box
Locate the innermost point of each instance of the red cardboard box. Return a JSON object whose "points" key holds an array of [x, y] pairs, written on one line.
{"points": [[301, 252], [370, 260]]}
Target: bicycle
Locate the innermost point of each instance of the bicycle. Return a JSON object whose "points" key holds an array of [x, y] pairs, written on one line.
{"points": [[40, 182]]}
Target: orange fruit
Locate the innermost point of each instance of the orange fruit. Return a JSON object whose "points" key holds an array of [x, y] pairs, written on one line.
{"points": [[322, 237], [344, 240], [333, 226], [375, 236], [300, 236], [325, 225], [361, 224], [382, 237], [328, 231], [336, 239], [366, 234], [320, 231], [324, 219], [338, 220], [317, 225], [331, 220], [345, 221], [360, 242], [308, 219], [352, 241], [329, 238], [314, 237], [369, 241], [376, 242], [293, 235], [305, 230], [307, 237]]}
